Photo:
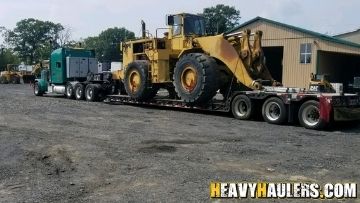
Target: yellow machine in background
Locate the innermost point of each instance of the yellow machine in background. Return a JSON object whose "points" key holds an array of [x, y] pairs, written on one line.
{"points": [[191, 62], [37, 68], [10, 75]]}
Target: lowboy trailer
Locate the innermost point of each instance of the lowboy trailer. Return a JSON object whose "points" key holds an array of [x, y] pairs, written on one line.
{"points": [[277, 105]]}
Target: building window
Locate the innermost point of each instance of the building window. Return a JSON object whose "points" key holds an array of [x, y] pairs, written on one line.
{"points": [[305, 53]]}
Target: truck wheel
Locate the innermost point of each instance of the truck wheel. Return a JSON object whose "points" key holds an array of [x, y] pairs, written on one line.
{"points": [[79, 91], [37, 90], [91, 93], [242, 107], [195, 78], [309, 115], [274, 111], [69, 91], [136, 81]]}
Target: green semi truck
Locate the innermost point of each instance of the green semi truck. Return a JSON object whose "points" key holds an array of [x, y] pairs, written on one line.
{"points": [[74, 73]]}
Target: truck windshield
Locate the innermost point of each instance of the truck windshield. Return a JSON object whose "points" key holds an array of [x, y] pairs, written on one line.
{"points": [[194, 25]]}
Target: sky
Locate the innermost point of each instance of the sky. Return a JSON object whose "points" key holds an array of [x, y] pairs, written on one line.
{"points": [[90, 17]]}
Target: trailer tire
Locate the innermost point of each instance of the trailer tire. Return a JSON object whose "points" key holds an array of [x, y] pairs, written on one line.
{"points": [[69, 91], [195, 78], [242, 107], [37, 91], [309, 115], [274, 111], [136, 81], [79, 91], [91, 93]]}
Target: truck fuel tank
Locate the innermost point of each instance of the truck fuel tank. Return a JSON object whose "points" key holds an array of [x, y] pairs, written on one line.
{"points": [[58, 89]]}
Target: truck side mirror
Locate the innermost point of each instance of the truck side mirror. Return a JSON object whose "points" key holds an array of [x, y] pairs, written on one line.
{"points": [[170, 20]]}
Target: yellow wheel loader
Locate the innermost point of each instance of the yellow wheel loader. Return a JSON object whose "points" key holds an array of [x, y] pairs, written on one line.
{"points": [[195, 64], [10, 75]]}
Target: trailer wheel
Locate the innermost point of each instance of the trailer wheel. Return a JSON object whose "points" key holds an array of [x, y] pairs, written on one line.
{"points": [[79, 91], [195, 78], [69, 91], [274, 111], [37, 91], [242, 107], [136, 81], [91, 93], [309, 115]]}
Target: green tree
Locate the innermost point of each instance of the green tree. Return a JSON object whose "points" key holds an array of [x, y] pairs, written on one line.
{"points": [[31, 39], [220, 18], [7, 56], [107, 44]]}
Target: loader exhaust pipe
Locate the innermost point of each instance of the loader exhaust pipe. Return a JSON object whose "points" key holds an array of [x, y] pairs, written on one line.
{"points": [[143, 29]]}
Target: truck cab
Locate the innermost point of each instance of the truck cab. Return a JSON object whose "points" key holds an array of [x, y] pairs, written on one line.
{"points": [[74, 73]]}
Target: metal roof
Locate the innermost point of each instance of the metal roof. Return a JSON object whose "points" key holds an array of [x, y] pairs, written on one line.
{"points": [[308, 32], [347, 33]]}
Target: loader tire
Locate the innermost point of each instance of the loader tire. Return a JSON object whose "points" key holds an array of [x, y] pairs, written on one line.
{"points": [[3, 80], [195, 78], [15, 80], [137, 83]]}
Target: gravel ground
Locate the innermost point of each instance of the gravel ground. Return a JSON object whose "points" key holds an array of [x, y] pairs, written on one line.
{"points": [[58, 150]]}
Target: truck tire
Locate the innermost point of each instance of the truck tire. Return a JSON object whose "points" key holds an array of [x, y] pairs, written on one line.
{"points": [[69, 91], [91, 93], [37, 91], [274, 111], [309, 115], [195, 78], [136, 81], [242, 107], [79, 91]]}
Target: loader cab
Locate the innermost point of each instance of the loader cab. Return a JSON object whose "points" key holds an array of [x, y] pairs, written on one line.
{"points": [[183, 27], [186, 25]]}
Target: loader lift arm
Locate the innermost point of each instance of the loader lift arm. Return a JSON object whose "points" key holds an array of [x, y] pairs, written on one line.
{"points": [[246, 62]]}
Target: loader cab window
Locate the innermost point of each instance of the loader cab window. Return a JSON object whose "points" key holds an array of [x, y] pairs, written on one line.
{"points": [[194, 25], [177, 25]]}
